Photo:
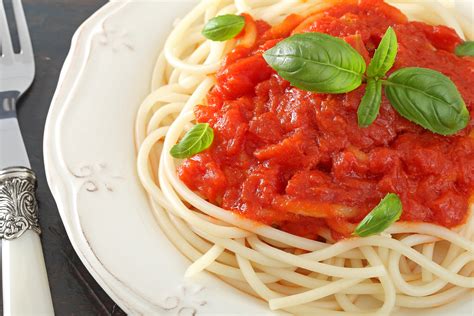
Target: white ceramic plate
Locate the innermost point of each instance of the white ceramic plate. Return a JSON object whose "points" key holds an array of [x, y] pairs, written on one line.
{"points": [[90, 166]]}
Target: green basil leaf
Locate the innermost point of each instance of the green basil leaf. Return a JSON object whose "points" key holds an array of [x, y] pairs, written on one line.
{"points": [[384, 56], [370, 103], [427, 98], [223, 27], [317, 62], [197, 139], [465, 49], [387, 212]]}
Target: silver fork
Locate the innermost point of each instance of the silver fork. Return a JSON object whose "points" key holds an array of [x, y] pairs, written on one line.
{"points": [[25, 282]]}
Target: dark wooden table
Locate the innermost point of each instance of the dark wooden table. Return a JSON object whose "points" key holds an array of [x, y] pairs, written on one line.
{"points": [[52, 24]]}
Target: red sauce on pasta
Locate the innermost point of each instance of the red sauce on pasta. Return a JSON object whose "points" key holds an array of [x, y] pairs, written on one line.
{"points": [[297, 160]]}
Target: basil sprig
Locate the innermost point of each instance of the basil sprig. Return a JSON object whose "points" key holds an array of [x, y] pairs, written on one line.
{"points": [[197, 139], [384, 56], [317, 62], [370, 103], [223, 27], [465, 49], [428, 98], [383, 60], [322, 63], [387, 212]]}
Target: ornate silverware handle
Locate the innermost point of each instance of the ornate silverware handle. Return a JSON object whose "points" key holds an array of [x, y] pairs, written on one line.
{"points": [[18, 206], [25, 282]]}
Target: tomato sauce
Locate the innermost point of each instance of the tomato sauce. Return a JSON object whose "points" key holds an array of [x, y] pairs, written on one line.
{"points": [[298, 161]]}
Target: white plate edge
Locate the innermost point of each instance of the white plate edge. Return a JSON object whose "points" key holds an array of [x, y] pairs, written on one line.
{"points": [[79, 52]]}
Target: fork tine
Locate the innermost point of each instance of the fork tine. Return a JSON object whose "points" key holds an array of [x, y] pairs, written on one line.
{"points": [[5, 39], [23, 33]]}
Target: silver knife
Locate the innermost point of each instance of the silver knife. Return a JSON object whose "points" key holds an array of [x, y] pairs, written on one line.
{"points": [[25, 281]]}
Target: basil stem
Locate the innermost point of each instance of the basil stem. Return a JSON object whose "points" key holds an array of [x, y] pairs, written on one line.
{"points": [[370, 103], [387, 212], [384, 56], [317, 62], [223, 27], [427, 98], [465, 49], [197, 139]]}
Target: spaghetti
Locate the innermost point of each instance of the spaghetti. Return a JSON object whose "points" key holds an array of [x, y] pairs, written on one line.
{"points": [[412, 265]]}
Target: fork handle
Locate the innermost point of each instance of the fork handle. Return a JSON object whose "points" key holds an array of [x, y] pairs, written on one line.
{"points": [[25, 282]]}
